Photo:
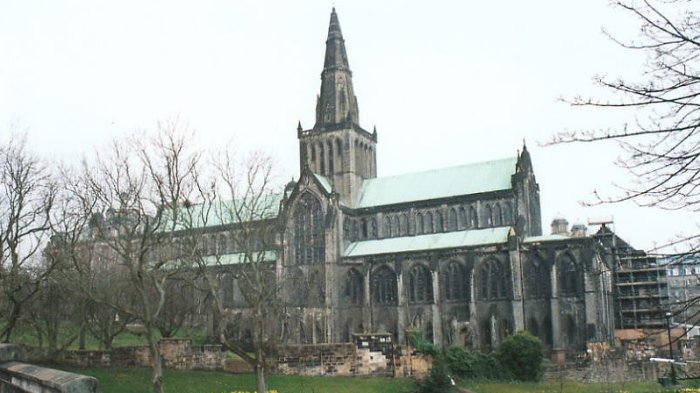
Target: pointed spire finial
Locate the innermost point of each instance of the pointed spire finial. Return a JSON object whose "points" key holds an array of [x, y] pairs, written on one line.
{"points": [[299, 128]]}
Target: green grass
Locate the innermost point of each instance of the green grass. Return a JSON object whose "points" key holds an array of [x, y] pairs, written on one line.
{"points": [[137, 380], [566, 387]]}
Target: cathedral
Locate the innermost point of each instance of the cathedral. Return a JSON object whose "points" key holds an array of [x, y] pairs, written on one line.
{"points": [[456, 254]]}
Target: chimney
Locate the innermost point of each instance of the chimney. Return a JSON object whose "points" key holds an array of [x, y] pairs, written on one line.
{"points": [[578, 230], [560, 226]]}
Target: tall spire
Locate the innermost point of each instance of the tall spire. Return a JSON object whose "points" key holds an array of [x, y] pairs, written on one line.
{"points": [[337, 104]]}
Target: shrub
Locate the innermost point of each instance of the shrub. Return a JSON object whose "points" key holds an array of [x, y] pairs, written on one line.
{"points": [[415, 338], [473, 365], [521, 355], [438, 381]]}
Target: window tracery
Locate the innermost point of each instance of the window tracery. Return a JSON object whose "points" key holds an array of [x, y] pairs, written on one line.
{"points": [[420, 284], [309, 234]]}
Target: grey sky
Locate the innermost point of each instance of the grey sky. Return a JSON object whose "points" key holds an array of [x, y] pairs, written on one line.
{"points": [[445, 82]]}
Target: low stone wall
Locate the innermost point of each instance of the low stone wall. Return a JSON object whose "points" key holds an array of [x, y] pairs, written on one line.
{"points": [[370, 355], [17, 377]]}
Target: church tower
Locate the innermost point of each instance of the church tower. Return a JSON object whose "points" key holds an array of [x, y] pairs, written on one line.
{"points": [[337, 147]]}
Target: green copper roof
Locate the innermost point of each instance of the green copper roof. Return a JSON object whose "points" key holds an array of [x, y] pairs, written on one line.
{"points": [[434, 241], [440, 183], [545, 238], [324, 182], [205, 215]]}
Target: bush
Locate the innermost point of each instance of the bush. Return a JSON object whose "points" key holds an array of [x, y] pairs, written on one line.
{"points": [[415, 338], [438, 381], [473, 365], [521, 355]]}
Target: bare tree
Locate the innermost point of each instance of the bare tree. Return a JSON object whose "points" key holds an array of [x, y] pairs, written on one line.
{"points": [[662, 147], [133, 188], [244, 201], [27, 192]]}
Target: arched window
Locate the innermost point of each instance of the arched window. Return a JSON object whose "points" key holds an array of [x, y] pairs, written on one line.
{"points": [[439, 222], [205, 245], [452, 219], [569, 277], [419, 224], [497, 215], [537, 281], [455, 282], [223, 244], [428, 222], [227, 290], [492, 280], [387, 227], [395, 227], [364, 231], [384, 286], [321, 160], [339, 154], [420, 284], [331, 157], [473, 218], [373, 228], [309, 236], [403, 225], [488, 214], [354, 287]]}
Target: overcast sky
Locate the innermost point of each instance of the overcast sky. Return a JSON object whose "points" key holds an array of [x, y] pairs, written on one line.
{"points": [[445, 83]]}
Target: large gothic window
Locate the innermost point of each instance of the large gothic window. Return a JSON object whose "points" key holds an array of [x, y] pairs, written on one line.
{"points": [[395, 227], [537, 280], [384, 286], [387, 227], [354, 287], [492, 280], [569, 277], [309, 241], [488, 213], [455, 282], [373, 228], [420, 285]]}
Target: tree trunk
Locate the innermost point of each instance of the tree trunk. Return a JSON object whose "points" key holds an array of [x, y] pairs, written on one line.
{"points": [[11, 323], [260, 378], [156, 363]]}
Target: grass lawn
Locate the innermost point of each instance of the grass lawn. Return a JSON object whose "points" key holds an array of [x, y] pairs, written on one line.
{"points": [[137, 380], [566, 387]]}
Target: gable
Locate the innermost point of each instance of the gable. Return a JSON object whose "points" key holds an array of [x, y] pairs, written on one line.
{"points": [[467, 179]]}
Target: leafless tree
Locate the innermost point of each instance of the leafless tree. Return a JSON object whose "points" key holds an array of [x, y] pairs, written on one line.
{"points": [[27, 193], [133, 189], [243, 199], [662, 147]]}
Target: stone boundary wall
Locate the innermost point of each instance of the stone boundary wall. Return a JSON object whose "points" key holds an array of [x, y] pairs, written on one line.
{"points": [[370, 355]]}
